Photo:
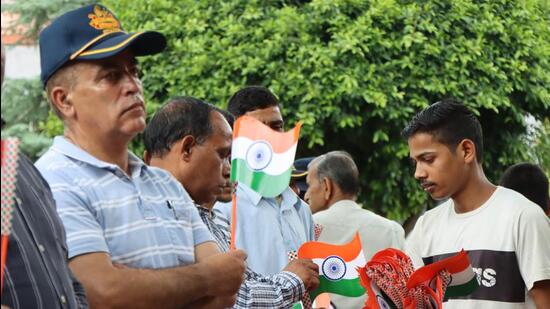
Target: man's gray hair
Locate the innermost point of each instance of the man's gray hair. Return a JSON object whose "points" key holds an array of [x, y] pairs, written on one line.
{"points": [[339, 167]]}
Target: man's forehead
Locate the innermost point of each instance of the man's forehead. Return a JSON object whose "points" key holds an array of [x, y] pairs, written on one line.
{"points": [[121, 60], [270, 113], [423, 143], [220, 126]]}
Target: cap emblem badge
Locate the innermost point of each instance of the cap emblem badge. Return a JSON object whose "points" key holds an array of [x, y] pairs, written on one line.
{"points": [[102, 19]]}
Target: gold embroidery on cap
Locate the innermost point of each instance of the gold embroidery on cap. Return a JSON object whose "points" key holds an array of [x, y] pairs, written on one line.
{"points": [[102, 19]]}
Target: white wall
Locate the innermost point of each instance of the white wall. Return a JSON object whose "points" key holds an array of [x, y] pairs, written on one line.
{"points": [[22, 61]]}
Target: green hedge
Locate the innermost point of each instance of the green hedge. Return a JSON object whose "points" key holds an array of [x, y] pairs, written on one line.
{"points": [[354, 72]]}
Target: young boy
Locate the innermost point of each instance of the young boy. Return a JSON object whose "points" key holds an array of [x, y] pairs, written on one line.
{"points": [[507, 237]]}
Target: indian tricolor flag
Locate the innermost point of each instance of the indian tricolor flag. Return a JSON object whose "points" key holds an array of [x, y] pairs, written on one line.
{"points": [[337, 266], [261, 157], [463, 279]]}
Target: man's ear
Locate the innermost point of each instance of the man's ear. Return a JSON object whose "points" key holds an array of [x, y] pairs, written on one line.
{"points": [[60, 98], [186, 146], [146, 157], [328, 188], [467, 149]]}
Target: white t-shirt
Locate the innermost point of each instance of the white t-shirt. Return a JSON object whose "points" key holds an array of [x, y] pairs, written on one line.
{"points": [[508, 243]]}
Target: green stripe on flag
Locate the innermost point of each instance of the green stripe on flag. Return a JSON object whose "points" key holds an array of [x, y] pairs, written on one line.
{"points": [[345, 287], [266, 185], [298, 305], [461, 290]]}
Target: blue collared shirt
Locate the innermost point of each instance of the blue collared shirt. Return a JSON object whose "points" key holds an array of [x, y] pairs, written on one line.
{"points": [[143, 220], [269, 232]]}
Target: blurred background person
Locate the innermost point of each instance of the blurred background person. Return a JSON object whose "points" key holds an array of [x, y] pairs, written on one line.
{"points": [[529, 180]]}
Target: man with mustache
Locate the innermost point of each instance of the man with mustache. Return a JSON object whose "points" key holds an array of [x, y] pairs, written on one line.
{"points": [[507, 237], [134, 236], [192, 140]]}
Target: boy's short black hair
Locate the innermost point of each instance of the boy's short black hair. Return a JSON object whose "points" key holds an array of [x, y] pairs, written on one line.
{"points": [[251, 98], [179, 117], [450, 122], [529, 180]]}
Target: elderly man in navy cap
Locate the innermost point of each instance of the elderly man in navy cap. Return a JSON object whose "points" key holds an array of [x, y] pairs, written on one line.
{"points": [[133, 233]]}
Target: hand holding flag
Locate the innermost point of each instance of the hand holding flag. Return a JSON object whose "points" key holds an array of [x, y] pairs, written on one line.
{"points": [[338, 266]]}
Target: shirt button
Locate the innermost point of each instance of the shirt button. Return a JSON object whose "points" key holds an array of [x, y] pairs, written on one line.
{"points": [[41, 248], [63, 299]]}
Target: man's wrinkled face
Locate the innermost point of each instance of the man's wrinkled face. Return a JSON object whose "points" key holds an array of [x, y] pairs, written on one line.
{"points": [[209, 163], [440, 172], [108, 97], [315, 194], [270, 116]]}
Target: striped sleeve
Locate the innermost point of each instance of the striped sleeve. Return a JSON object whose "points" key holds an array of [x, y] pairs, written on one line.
{"points": [[278, 291], [201, 234]]}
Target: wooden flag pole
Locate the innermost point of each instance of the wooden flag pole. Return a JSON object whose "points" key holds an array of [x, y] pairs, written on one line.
{"points": [[5, 239], [233, 219]]}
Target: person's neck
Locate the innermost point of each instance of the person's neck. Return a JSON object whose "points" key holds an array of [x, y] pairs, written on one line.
{"points": [[338, 197], [109, 150], [477, 190]]}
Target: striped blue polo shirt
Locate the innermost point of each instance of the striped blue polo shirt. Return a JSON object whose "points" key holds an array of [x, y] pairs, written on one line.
{"points": [[142, 220]]}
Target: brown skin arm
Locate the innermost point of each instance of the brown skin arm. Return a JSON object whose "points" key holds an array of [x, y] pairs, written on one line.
{"points": [[541, 294], [216, 279]]}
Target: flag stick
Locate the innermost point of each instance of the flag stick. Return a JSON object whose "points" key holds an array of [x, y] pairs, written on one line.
{"points": [[4, 253], [233, 219]]}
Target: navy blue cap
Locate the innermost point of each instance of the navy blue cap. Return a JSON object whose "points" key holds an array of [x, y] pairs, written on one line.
{"points": [[88, 33], [299, 168]]}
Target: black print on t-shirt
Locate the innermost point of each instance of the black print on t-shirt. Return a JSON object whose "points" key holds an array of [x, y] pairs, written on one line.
{"points": [[497, 273]]}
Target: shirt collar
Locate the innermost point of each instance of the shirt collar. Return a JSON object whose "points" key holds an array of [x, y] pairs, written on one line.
{"points": [[344, 204], [206, 212], [289, 197], [64, 146]]}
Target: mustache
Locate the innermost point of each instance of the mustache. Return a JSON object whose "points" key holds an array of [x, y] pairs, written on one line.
{"points": [[426, 183], [137, 101]]}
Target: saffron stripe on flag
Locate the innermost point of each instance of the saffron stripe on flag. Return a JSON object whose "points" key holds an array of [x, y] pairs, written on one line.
{"points": [[348, 252], [253, 129]]}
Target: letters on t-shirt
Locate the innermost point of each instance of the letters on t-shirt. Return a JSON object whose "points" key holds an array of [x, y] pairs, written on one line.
{"points": [[497, 273]]}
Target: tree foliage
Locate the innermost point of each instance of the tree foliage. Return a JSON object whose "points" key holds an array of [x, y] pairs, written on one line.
{"points": [[34, 15], [25, 108], [354, 72]]}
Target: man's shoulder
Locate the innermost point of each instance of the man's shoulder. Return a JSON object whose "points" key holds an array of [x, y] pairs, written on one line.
{"points": [[438, 211], [364, 217], [378, 220], [514, 201], [55, 166]]}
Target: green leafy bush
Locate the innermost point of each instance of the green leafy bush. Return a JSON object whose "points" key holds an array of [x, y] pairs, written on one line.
{"points": [[355, 72], [24, 108]]}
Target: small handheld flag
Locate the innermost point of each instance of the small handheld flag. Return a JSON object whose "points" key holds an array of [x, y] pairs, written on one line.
{"points": [[338, 266], [9, 156], [261, 157]]}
